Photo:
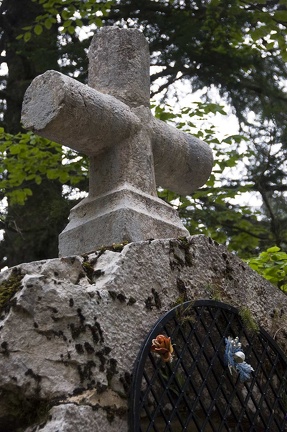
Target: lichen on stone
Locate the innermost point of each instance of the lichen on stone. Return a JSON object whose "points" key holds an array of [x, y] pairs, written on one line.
{"points": [[9, 287], [248, 320], [88, 269]]}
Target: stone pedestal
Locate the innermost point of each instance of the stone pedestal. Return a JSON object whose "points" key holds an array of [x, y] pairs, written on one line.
{"points": [[124, 215]]}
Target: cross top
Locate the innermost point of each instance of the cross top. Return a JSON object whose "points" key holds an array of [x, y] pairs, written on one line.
{"points": [[130, 151]]}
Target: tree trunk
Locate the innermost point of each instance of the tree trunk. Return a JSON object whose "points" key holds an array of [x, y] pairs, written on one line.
{"points": [[31, 230]]}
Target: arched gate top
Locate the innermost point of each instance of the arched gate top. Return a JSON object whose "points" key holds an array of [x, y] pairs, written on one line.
{"points": [[196, 390]]}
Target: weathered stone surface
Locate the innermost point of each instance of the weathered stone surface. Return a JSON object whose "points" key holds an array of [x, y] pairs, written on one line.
{"points": [[70, 336], [55, 103], [131, 152], [119, 63], [73, 417]]}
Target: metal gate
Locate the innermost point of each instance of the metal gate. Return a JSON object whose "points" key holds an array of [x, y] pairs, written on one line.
{"points": [[196, 390]]}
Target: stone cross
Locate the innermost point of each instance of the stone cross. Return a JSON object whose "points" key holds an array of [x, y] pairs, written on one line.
{"points": [[131, 152]]}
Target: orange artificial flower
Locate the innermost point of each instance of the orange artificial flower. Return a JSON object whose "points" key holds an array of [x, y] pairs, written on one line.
{"points": [[162, 345]]}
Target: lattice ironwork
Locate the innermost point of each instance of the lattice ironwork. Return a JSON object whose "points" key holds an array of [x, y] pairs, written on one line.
{"points": [[196, 391]]}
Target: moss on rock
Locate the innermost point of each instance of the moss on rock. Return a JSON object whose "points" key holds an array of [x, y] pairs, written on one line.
{"points": [[9, 287]]}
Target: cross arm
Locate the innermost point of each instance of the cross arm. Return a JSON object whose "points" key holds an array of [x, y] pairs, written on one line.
{"points": [[66, 111], [182, 162]]}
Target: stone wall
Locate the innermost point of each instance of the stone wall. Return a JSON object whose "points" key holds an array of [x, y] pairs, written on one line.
{"points": [[71, 328]]}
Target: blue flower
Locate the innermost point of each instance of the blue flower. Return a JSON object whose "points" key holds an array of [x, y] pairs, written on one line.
{"points": [[234, 358]]}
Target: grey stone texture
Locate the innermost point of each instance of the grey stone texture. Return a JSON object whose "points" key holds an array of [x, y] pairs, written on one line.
{"points": [[131, 153], [70, 335]]}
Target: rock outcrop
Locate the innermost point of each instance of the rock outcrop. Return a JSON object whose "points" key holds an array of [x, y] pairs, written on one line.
{"points": [[71, 328]]}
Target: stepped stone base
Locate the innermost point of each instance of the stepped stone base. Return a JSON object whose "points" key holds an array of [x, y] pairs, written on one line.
{"points": [[123, 215]]}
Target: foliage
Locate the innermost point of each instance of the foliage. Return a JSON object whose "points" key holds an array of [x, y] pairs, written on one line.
{"points": [[69, 15], [272, 265], [237, 46], [18, 169], [214, 210]]}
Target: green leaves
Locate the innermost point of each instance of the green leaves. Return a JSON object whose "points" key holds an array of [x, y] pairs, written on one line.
{"points": [[38, 29], [267, 32], [27, 36], [27, 158], [272, 265], [69, 16]]}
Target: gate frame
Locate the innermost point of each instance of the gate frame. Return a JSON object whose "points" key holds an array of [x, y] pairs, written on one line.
{"points": [[134, 415]]}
